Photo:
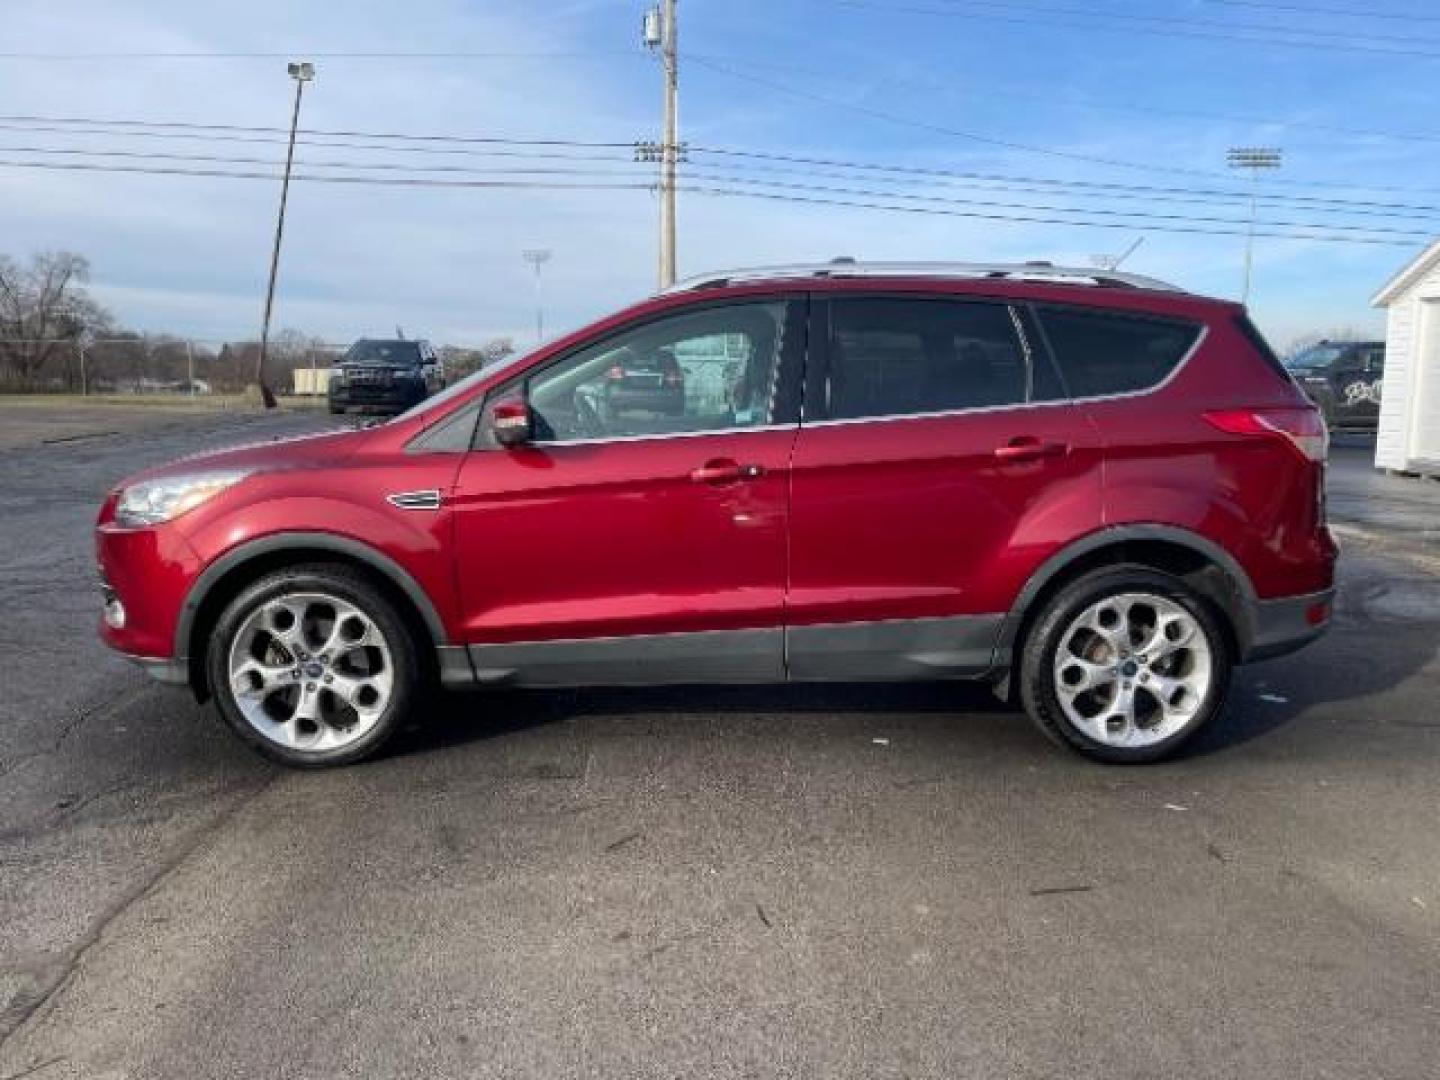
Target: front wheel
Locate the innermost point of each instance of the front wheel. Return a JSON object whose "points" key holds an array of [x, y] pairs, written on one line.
{"points": [[312, 666], [1125, 665]]}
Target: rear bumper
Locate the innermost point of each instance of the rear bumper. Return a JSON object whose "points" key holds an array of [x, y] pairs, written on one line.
{"points": [[1282, 626]]}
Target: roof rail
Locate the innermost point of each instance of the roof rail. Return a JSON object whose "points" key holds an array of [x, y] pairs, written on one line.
{"points": [[846, 268]]}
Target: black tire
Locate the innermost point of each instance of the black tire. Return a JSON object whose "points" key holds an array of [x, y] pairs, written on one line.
{"points": [[407, 672], [337, 410], [1037, 660]]}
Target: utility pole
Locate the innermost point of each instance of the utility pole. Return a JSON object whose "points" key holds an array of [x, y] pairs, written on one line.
{"points": [[302, 73], [660, 36], [1252, 159], [538, 257]]}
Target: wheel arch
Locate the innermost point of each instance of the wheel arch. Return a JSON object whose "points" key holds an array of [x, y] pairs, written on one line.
{"points": [[1203, 564], [224, 578]]}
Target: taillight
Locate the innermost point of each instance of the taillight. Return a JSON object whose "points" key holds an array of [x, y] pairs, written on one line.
{"points": [[674, 378], [1304, 429], [615, 374]]}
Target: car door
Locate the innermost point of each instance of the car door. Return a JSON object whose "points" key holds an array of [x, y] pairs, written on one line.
{"points": [[1355, 377], [639, 536], [937, 465]]}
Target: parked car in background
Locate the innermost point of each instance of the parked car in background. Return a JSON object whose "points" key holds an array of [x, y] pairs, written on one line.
{"points": [[645, 382], [1343, 378], [384, 376], [1091, 489]]}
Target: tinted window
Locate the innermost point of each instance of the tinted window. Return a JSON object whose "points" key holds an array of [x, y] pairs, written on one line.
{"points": [[1105, 353], [400, 353], [892, 357], [703, 370]]}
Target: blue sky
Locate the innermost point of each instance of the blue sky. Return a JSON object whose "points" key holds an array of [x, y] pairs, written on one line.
{"points": [[807, 78]]}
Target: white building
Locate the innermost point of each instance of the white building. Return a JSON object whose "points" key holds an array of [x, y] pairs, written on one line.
{"points": [[1409, 436]]}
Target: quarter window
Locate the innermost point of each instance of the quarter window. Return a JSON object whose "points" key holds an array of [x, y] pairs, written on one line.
{"points": [[891, 357], [709, 369], [1102, 353]]}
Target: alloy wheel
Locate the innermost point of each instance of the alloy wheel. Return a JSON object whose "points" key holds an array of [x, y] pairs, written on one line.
{"points": [[1133, 669], [310, 671]]}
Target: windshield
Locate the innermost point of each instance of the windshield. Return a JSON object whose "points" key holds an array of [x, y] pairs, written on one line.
{"points": [[454, 390], [365, 351], [1316, 356]]}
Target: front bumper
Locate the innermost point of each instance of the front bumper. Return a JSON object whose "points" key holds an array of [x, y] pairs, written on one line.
{"points": [[1282, 626], [396, 397], [169, 672]]}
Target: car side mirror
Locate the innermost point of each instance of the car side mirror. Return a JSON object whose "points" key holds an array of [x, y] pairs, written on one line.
{"points": [[510, 421]]}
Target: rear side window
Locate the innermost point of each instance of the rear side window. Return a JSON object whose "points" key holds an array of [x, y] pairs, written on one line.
{"points": [[1105, 353], [893, 357]]}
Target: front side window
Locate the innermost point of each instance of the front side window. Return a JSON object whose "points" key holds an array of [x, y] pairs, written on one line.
{"points": [[1101, 352], [709, 369], [893, 357]]}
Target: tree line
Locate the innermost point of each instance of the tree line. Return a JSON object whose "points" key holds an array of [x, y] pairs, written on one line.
{"points": [[55, 338]]}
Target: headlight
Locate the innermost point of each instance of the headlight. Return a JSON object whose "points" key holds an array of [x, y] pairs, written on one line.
{"points": [[153, 501], [337, 375]]}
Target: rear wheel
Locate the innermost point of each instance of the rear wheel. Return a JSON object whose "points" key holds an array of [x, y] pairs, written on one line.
{"points": [[313, 666], [1125, 665]]}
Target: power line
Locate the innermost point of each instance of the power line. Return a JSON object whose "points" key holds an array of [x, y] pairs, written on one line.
{"points": [[386, 166], [1070, 102], [742, 160], [262, 130], [1037, 220], [75, 166], [1084, 19], [499, 147], [1134, 215], [363, 55], [1228, 26], [925, 125], [1351, 13], [504, 146], [1420, 212], [1079, 217], [1025, 147], [1092, 185]]}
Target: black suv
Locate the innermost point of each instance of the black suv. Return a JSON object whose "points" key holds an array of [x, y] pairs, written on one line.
{"points": [[386, 376], [1343, 378]]}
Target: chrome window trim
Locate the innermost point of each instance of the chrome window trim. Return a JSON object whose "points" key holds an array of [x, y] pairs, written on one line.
{"points": [[662, 435], [1065, 401]]}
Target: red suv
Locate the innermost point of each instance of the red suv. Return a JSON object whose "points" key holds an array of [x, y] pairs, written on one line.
{"points": [[1092, 489]]}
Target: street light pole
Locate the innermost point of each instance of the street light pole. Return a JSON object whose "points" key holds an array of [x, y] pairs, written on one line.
{"points": [[1252, 159], [538, 257], [302, 73]]}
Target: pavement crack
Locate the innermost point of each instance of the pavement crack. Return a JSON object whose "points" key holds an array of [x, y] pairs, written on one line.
{"points": [[79, 717], [33, 1069], [61, 973]]}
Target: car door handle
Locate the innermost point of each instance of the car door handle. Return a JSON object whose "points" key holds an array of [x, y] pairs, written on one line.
{"points": [[725, 471], [1029, 448]]}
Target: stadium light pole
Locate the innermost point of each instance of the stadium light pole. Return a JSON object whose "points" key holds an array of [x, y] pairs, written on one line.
{"points": [[1253, 159], [538, 257], [302, 72]]}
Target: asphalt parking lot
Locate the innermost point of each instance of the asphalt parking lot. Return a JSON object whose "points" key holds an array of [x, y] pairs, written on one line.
{"points": [[851, 881]]}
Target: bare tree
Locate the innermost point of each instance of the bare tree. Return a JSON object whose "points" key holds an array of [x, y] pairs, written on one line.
{"points": [[44, 309], [460, 361]]}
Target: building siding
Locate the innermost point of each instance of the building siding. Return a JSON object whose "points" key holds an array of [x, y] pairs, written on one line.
{"points": [[1404, 435]]}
